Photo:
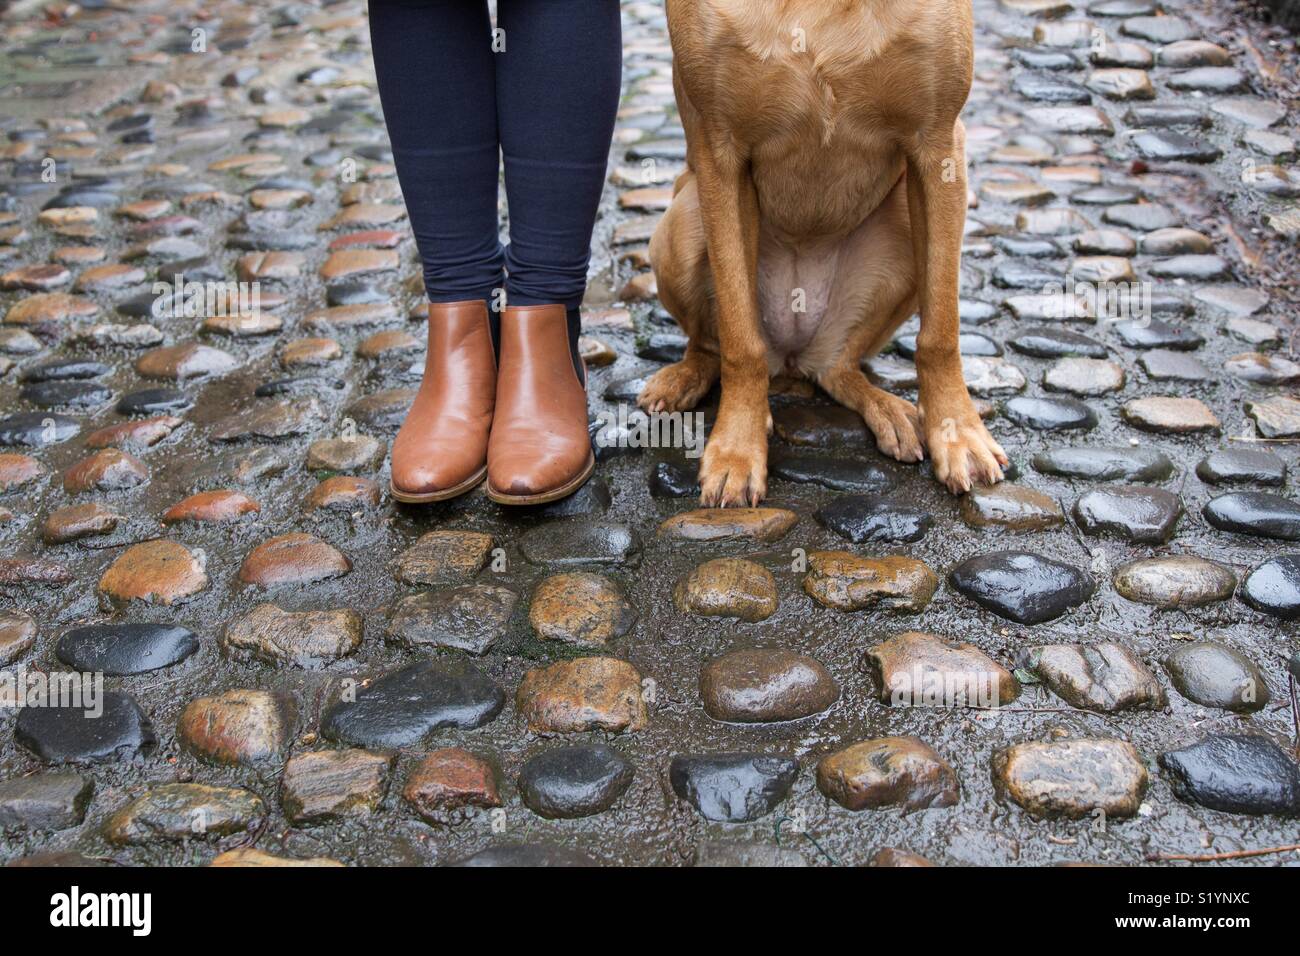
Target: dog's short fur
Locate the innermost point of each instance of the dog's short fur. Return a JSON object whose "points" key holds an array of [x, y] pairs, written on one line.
{"points": [[823, 201]]}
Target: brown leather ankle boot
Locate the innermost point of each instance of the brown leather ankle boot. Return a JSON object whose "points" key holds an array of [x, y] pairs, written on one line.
{"points": [[441, 450], [539, 450]]}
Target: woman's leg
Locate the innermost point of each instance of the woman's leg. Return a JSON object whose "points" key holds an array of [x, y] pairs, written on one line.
{"points": [[557, 92], [558, 83], [437, 84]]}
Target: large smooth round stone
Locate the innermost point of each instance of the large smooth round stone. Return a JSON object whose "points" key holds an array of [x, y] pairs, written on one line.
{"points": [[1026, 588], [1170, 415], [1235, 773], [840, 474], [180, 811], [848, 582], [1050, 414], [1007, 505], [883, 772], [820, 426], [406, 705], [1217, 676], [579, 607], [71, 394], [37, 429], [1274, 587], [735, 787], [1105, 464], [469, 617], [1255, 513], [1072, 778], [571, 782], [120, 731], [862, 518], [917, 669], [1047, 342], [123, 649], [1134, 513], [160, 571], [294, 558], [1102, 677], [582, 694], [1243, 466], [153, 401], [1179, 580], [1154, 334], [760, 685], [44, 801]]}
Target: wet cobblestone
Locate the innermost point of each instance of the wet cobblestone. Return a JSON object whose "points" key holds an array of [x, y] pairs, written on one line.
{"points": [[197, 505]]}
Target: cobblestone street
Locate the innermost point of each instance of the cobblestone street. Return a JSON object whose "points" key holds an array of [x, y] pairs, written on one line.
{"points": [[194, 503]]}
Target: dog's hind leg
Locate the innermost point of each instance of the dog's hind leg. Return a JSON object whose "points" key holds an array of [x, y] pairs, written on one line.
{"points": [[875, 292], [680, 386], [894, 421], [681, 265]]}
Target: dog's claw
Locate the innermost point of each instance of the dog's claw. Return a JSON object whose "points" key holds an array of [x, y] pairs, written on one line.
{"points": [[733, 471], [732, 480], [965, 454]]}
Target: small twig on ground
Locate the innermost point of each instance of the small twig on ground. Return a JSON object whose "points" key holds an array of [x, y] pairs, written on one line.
{"points": [[807, 836], [1216, 857], [170, 680], [1263, 441]]}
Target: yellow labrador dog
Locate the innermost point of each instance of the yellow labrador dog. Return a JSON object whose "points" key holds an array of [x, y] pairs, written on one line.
{"points": [[823, 201]]}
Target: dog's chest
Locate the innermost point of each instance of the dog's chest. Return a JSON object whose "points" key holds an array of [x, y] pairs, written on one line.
{"points": [[825, 149], [831, 92]]}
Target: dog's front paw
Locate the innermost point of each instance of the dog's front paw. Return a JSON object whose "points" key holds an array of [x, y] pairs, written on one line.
{"points": [[733, 478], [733, 471], [962, 451]]}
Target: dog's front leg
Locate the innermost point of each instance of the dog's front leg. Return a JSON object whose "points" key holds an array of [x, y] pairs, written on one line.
{"points": [[960, 447], [734, 468]]}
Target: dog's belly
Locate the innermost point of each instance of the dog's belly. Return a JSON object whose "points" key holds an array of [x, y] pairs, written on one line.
{"points": [[795, 282], [813, 283], [814, 201]]}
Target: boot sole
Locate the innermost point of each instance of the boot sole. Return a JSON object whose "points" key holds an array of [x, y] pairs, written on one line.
{"points": [[469, 484], [544, 497]]}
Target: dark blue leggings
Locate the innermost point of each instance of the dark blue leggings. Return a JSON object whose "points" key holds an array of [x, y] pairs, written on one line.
{"points": [[546, 101]]}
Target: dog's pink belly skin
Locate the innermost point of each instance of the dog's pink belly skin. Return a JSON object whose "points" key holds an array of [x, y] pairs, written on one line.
{"points": [[794, 291]]}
